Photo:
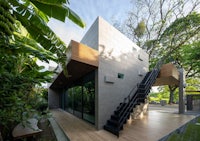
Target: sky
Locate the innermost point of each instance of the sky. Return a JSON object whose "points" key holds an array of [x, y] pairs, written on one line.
{"points": [[89, 10]]}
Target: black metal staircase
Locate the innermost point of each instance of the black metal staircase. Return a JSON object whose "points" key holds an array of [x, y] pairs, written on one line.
{"points": [[136, 96]]}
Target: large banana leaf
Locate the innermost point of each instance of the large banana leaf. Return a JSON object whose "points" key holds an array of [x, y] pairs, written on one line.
{"points": [[58, 10], [34, 14], [39, 30], [30, 46], [53, 8], [55, 2]]}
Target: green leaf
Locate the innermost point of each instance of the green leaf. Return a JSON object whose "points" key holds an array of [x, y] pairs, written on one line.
{"points": [[40, 32], [75, 18], [27, 45], [59, 11], [55, 2]]}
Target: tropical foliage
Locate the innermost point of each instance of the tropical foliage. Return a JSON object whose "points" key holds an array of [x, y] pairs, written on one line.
{"points": [[163, 91], [168, 30], [25, 38]]}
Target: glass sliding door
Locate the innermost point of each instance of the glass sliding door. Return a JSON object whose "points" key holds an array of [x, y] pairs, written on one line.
{"points": [[88, 101], [79, 98], [69, 100], [77, 93]]}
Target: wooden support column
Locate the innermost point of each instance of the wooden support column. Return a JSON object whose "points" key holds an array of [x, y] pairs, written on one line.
{"points": [[181, 91]]}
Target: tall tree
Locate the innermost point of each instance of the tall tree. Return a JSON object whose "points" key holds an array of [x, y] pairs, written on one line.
{"points": [[157, 17], [169, 25]]}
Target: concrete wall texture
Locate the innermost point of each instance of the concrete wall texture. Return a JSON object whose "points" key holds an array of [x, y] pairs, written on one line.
{"points": [[117, 55], [54, 98]]}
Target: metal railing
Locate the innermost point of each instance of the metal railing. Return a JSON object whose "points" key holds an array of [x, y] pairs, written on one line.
{"points": [[124, 109], [132, 97]]}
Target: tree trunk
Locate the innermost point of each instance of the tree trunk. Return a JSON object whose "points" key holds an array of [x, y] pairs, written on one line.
{"points": [[171, 95]]}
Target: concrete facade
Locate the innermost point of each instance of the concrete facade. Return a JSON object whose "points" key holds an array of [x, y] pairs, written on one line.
{"points": [[122, 65], [54, 98], [117, 55]]}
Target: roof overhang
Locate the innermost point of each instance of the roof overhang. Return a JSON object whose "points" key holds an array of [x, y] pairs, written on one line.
{"points": [[168, 75], [82, 60]]}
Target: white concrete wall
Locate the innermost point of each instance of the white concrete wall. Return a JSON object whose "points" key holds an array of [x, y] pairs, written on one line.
{"points": [[91, 37], [118, 54]]}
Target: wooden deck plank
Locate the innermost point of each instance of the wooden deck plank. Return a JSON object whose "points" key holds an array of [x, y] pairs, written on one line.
{"points": [[152, 127]]}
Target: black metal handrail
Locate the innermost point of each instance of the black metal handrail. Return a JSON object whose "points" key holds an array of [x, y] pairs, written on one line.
{"points": [[156, 67], [133, 90], [127, 98], [124, 109], [134, 99]]}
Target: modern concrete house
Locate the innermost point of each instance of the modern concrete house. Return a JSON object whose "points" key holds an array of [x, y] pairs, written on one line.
{"points": [[102, 70]]}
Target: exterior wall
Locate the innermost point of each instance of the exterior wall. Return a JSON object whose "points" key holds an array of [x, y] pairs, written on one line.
{"points": [[91, 39], [117, 54], [53, 98]]}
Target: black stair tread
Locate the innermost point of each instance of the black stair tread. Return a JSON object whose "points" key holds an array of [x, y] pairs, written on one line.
{"points": [[111, 129], [120, 106], [121, 114], [114, 117], [113, 122], [141, 94], [116, 112]]}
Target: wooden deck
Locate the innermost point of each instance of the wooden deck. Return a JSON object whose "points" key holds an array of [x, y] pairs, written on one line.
{"points": [[152, 127]]}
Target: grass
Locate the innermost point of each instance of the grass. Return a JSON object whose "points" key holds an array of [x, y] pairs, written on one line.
{"points": [[191, 133]]}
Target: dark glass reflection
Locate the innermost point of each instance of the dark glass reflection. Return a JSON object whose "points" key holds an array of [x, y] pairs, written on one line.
{"points": [[88, 101], [80, 98]]}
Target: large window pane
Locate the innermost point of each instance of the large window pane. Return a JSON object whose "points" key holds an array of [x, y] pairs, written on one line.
{"points": [[69, 100], [88, 101], [79, 99], [77, 91]]}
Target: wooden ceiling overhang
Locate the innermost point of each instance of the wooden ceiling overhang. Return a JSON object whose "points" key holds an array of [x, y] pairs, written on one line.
{"points": [[81, 60]]}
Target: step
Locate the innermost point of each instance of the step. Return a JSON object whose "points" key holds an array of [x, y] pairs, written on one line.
{"points": [[121, 105], [114, 117], [114, 123], [111, 129]]}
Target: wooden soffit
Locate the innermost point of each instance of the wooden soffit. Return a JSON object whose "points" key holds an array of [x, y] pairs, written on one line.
{"points": [[168, 75], [82, 53], [81, 60]]}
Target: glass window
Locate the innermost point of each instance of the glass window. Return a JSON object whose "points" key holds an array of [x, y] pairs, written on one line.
{"points": [[77, 93], [69, 100], [80, 98], [89, 101]]}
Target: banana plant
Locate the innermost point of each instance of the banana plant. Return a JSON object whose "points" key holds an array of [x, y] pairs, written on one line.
{"points": [[33, 15], [24, 38]]}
